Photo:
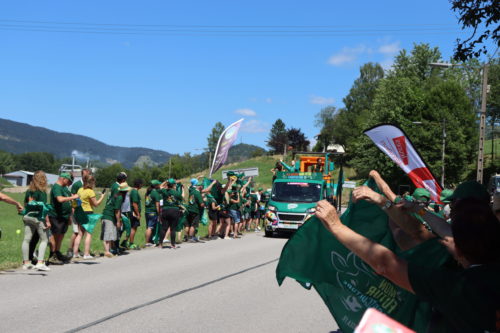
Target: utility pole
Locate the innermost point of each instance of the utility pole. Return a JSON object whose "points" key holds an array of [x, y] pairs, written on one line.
{"points": [[482, 126], [443, 152]]}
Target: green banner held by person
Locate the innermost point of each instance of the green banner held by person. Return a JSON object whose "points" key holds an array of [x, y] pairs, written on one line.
{"points": [[347, 285]]}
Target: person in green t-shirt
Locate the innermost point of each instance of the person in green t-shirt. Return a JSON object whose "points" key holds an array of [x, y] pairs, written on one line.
{"points": [[254, 210], [152, 209], [60, 199], [135, 221], [35, 229], [170, 213], [111, 219], [195, 210]]}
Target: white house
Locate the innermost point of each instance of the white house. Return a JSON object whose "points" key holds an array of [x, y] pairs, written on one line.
{"points": [[23, 178]]}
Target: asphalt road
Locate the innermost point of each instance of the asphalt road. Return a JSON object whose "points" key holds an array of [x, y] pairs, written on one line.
{"points": [[218, 286]]}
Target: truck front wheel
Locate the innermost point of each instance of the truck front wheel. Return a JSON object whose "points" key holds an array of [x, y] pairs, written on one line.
{"points": [[268, 233]]}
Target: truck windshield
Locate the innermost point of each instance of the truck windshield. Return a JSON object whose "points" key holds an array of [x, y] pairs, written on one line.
{"points": [[296, 192]]}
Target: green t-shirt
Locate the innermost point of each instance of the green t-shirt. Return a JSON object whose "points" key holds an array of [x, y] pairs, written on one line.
{"points": [[151, 200], [171, 198], [469, 299], [114, 203], [36, 196], [76, 186], [62, 210], [253, 202], [233, 195], [195, 201], [135, 197], [114, 189]]}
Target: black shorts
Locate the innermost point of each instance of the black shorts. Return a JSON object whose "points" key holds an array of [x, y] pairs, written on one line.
{"points": [[255, 215], [192, 220], [134, 221], [223, 214], [213, 215], [59, 225]]}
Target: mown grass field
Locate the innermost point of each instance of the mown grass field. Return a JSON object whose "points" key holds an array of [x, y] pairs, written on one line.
{"points": [[10, 243]]}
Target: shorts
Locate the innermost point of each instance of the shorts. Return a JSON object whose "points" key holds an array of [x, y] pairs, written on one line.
{"points": [[59, 225], [151, 220], [192, 220], [255, 214], [213, 215], [235, 215], [74, 224], [246, 216], [134, 221], [223, 214], [108, 231]]}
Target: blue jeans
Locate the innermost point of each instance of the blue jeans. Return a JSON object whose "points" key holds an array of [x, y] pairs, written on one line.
{"points": [[151, 220], [235, 215]]}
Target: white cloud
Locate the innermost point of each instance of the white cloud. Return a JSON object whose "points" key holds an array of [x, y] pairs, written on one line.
{"points": [[387, 63], [389, 49], [254, 126], [320, 100], [269, 100], [246, 112], [348, 55]]}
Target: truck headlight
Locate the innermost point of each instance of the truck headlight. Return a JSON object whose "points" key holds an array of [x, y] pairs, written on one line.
{"points": [[311, 210], [271, 208]]}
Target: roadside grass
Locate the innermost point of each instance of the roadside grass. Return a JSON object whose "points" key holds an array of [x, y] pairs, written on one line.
{"points": [[11, 241]]}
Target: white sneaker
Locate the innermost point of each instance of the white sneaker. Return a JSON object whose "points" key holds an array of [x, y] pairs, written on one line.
{"points": [[88, 257], [27, 266], [258, 228], [42, 267]]}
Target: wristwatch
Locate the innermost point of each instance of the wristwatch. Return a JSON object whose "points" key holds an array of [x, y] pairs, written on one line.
{"points": [[388, 204]]}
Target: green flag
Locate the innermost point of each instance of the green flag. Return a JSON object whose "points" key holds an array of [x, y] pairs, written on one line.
{"points": [[348, 286]]}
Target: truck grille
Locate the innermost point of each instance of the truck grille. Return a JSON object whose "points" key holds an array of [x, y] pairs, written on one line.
{"points": [[291, 217]]}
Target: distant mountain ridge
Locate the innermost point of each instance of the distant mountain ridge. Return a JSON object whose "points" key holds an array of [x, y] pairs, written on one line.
{"points": [[18, 138]]}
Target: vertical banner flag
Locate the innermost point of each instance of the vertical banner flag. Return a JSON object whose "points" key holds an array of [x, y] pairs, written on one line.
{"points": [[394, 143], [226, 140]]}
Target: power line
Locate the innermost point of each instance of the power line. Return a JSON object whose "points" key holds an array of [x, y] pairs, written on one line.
{"points": [[228, 26]]}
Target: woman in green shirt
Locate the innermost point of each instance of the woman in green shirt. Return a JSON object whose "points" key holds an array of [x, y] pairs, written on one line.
{"points": [[33, 226]]}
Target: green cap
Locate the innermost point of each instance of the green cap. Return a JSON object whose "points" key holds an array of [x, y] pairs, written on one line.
{"points": [[261, 189], [67, 176], [171, 181], [470, 189], [421, 194], [155, 182], [230, 173], [446, 195]]}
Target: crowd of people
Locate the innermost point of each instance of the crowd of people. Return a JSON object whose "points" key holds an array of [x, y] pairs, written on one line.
{"points": [[464, 291], [172, 213]]}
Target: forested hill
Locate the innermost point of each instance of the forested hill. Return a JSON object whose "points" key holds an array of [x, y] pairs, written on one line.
{"points": [[20, 138]]}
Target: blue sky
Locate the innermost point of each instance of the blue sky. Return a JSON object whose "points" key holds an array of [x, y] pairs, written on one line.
{"points": [[133, 83]]}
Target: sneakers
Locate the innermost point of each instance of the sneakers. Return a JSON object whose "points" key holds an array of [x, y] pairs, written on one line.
{"points": [[166, 241], [61, 257], [88, 257], [69, 254], [42, 267], [149, 244], [258, 228], [109, 255], [53, 260], [28, 266], [214, 237], [133, 246]]}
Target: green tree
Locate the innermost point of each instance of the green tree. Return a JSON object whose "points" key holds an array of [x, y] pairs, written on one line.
{"points": [[106, 176], [214, 136], [476, 14], [34, 161], [410, 94], [277, 137], [297, 139], [7, 162]]}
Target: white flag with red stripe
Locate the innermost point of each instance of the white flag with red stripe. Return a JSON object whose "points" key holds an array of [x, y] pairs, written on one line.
{"points": [[394, 143]]}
